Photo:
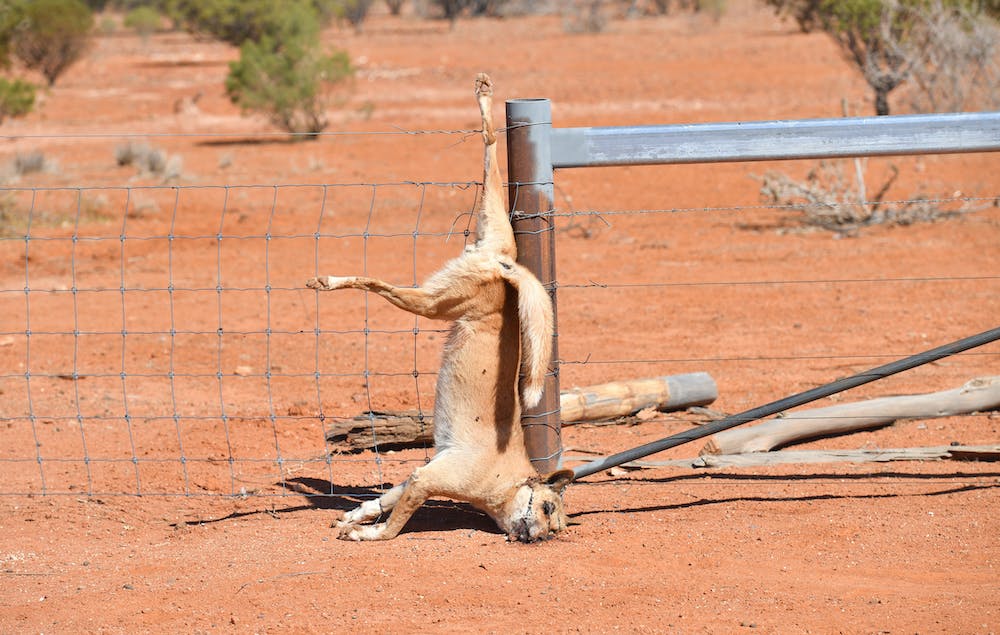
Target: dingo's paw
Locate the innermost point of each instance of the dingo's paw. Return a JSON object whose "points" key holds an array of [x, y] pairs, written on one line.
{"points": [[484, 85], [325, 283], [358, 533]]}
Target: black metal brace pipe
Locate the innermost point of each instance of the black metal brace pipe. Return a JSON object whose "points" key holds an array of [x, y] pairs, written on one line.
{"points": [[793, 401]]}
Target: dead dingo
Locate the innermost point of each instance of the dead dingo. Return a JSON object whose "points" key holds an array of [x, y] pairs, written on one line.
{"points": [[502, 329]]}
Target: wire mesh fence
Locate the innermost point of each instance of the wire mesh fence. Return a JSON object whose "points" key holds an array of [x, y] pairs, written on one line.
{"points": [[121, 342], [159, 340]]}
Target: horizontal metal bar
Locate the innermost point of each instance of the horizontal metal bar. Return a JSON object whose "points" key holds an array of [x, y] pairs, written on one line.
{"points": [[775, 140]]}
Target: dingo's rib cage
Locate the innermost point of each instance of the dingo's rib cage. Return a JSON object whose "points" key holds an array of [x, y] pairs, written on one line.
{"points": [[107, 340]]}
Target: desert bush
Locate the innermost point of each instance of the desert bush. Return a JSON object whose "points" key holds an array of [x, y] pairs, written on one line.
{"points": [[131, 153], [17, 98], [107, 26], [806, 13], [353, 11], [18, 215], [232, 21], [24, 163], [948, 45], [149, 161], [957, 60], [29, 162], [288, 76], [239, 21], [584, 16], [10, 23], [51, 35], [144, 20], [828, 199], [451, 10]]}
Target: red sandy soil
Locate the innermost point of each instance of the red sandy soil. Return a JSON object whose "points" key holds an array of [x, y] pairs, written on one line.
{"points": [[707, 280]]}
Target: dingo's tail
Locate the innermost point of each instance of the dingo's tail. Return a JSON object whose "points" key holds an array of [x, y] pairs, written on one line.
{"points": [[534, 308]]}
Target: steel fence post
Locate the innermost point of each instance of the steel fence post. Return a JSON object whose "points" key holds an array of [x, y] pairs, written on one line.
{"points": [[530, 196]]}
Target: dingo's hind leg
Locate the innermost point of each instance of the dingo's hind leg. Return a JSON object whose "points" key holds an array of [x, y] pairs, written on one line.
{"points": [[493, 231]]}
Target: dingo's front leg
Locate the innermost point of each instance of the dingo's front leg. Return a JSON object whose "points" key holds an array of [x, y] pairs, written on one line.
{"points": [[372, 509], [408, 497], [440, 477], [441, 301]]}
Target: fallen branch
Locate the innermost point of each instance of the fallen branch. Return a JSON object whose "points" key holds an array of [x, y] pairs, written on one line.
{"points": [[603, 401], [976, 395], [388, 429], [955, 453]]}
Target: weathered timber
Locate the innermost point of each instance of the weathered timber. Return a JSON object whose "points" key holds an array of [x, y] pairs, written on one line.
{"points": [[791, 457], [976, 395], [388, 429], [603, 401], [955, 453], [620, 398]]}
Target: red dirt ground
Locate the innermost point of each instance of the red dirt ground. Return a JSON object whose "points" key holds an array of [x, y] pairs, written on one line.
{"points": [[722, 286]]}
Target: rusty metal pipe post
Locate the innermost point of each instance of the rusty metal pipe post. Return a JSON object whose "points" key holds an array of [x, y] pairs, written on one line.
{"points": [[530, 199]]}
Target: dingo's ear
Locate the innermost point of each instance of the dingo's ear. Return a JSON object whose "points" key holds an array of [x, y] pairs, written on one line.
{"points": [[559, 479]]}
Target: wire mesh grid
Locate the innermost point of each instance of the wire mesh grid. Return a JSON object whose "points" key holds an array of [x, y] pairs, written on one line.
{"points": [[128, 340], [159, 340]]}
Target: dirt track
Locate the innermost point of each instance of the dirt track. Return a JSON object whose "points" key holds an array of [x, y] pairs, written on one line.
{"points": [[901, 547]]}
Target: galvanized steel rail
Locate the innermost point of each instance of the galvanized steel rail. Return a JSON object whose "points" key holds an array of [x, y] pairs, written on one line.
{"points": [[774, 140]]}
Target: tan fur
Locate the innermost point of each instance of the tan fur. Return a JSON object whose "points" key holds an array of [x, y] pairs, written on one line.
{"points": [[495, 358]]}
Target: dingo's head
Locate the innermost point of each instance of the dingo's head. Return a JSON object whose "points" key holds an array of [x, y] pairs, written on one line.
{"points": [[537, 509]]}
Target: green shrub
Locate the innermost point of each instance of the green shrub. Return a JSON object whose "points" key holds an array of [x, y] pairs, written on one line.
{"points": [[891, 40], [232, 21], [287, 75], [239, 21], [51, 35], [144, 20], [17, 98], [107, 26], [353, 11]]}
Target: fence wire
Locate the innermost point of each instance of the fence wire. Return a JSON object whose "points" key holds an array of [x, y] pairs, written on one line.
{"points": [[158, 340]]}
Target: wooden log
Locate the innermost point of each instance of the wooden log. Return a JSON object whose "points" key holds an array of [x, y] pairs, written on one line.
{"points": [[620, 398], [791, 457], [976, 395], [603, 401], [388, 429]]}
